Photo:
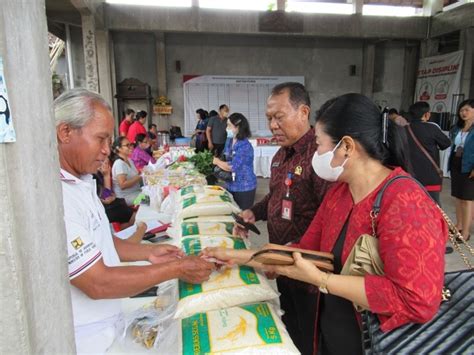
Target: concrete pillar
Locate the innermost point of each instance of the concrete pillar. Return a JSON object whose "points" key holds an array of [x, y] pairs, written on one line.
{"points": [[103, 65], [357, 6], [466, 42], [410, 65], [368, 64], [429, 48], [36, 315], [70, 66], [281, 5], [90, 51], [161, 62], [432, 7], [113, 74], [163, 121], [195, 3]]}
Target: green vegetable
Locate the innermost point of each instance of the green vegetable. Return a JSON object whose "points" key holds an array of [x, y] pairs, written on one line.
{"points": [[203, 162]]}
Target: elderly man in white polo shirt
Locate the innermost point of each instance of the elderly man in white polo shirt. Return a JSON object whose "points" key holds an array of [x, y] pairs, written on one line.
{"points": [[84, 126]]}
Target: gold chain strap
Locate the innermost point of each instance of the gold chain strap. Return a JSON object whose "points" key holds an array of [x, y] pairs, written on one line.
{"points": [[454, 235]]}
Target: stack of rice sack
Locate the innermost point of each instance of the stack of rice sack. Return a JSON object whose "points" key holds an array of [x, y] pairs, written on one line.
{"points": [[229, 312], [204, 203]]}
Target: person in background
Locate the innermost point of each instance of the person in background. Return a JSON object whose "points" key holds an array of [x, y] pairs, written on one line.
{"points": [[200, 131], [239, 161], [125, 177], [461, 165], [432, 140], [411, 230], [126, 122], [152, 138], [140, 155], [116, 208], [397, 118], [98, 280], [294, 197], [137, 127], [216, 131]]}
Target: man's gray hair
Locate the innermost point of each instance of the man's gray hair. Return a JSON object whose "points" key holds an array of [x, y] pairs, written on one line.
{"points": [[76, 107]]}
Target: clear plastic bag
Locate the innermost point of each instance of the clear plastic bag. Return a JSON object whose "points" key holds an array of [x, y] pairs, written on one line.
{"points": [[150, 323]]}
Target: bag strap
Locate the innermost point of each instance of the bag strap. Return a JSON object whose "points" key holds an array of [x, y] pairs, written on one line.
{"points": [[425, 152], [453, 233]]}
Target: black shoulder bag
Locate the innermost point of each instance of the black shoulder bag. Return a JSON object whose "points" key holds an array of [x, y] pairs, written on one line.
{"points": [[451, 331]]}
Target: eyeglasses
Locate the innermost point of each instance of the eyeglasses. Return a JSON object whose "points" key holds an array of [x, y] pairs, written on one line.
{"points": [[127, 145]]}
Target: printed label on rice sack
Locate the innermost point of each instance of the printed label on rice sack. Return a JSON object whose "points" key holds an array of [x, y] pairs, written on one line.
{"points": [[207, 190], [203, 228], [234, 329], [220, 279], [209, 218], [193, 200]]}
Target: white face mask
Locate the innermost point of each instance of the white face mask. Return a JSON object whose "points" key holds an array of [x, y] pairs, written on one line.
{"points": [[322, 165], [230, 133]]}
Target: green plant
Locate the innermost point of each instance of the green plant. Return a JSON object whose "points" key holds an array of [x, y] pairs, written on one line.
{"points": [[203, 162]]}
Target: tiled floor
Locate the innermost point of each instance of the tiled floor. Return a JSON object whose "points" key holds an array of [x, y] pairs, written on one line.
{"points": [[453, 261]]}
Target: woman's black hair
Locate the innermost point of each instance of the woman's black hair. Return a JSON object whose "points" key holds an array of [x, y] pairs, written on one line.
{"points": [[239, 121], [117, 143], [140, 114], [202, 113], [355, 115], [460, 122], [139, 138]]}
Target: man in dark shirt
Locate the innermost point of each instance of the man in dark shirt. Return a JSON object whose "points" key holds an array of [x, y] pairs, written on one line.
{"points": [[216, 131], [295, 194]]}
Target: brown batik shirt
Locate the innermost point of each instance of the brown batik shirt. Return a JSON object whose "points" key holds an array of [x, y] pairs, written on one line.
{"points": [[306, 191]]}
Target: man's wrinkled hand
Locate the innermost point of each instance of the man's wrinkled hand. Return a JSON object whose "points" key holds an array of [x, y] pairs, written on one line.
{"points": [[195, 270], [164, 253]]}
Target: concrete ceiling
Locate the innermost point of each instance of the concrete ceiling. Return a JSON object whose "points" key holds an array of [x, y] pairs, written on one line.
{"points": [[60, 12]]}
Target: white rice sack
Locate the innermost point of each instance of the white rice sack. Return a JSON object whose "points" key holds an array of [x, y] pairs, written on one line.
{"points": [[203, 191], [226, 287], [213, 219], [193, 229], [211, 205], [251, 329]]}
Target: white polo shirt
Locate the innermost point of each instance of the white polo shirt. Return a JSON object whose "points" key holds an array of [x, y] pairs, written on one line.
{"points": [[88, 240]]}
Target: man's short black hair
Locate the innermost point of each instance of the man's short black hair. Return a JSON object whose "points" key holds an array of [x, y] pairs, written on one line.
{"points": [[393, 111], [418, 109], [151, 125], [223, 106], [297, 93], [129, 111]]}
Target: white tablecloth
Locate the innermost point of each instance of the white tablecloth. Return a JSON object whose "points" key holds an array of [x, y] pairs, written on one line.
{"points": [[262, 161]]}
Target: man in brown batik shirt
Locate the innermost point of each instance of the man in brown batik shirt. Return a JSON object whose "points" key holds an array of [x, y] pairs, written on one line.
{"points": [[294, 197]]}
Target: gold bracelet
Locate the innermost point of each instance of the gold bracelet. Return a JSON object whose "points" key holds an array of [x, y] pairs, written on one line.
{"points": [[323, 287]]}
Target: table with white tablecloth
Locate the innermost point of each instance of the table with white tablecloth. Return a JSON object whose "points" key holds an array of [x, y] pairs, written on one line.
{"points": [[262, 161]]}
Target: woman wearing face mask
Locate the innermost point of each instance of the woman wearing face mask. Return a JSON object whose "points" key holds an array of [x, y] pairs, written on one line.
{"points": [[239, 161], [140, 155], [411, 231]]}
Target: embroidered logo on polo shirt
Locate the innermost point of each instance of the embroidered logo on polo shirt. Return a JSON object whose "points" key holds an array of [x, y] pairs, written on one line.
{"points": [[77, 243]]}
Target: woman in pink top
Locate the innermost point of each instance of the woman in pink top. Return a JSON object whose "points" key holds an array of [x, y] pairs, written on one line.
{"points": [[140, 156]]}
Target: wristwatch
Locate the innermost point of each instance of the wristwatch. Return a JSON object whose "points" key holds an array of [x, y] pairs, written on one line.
{"points": [[323, 287]]}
